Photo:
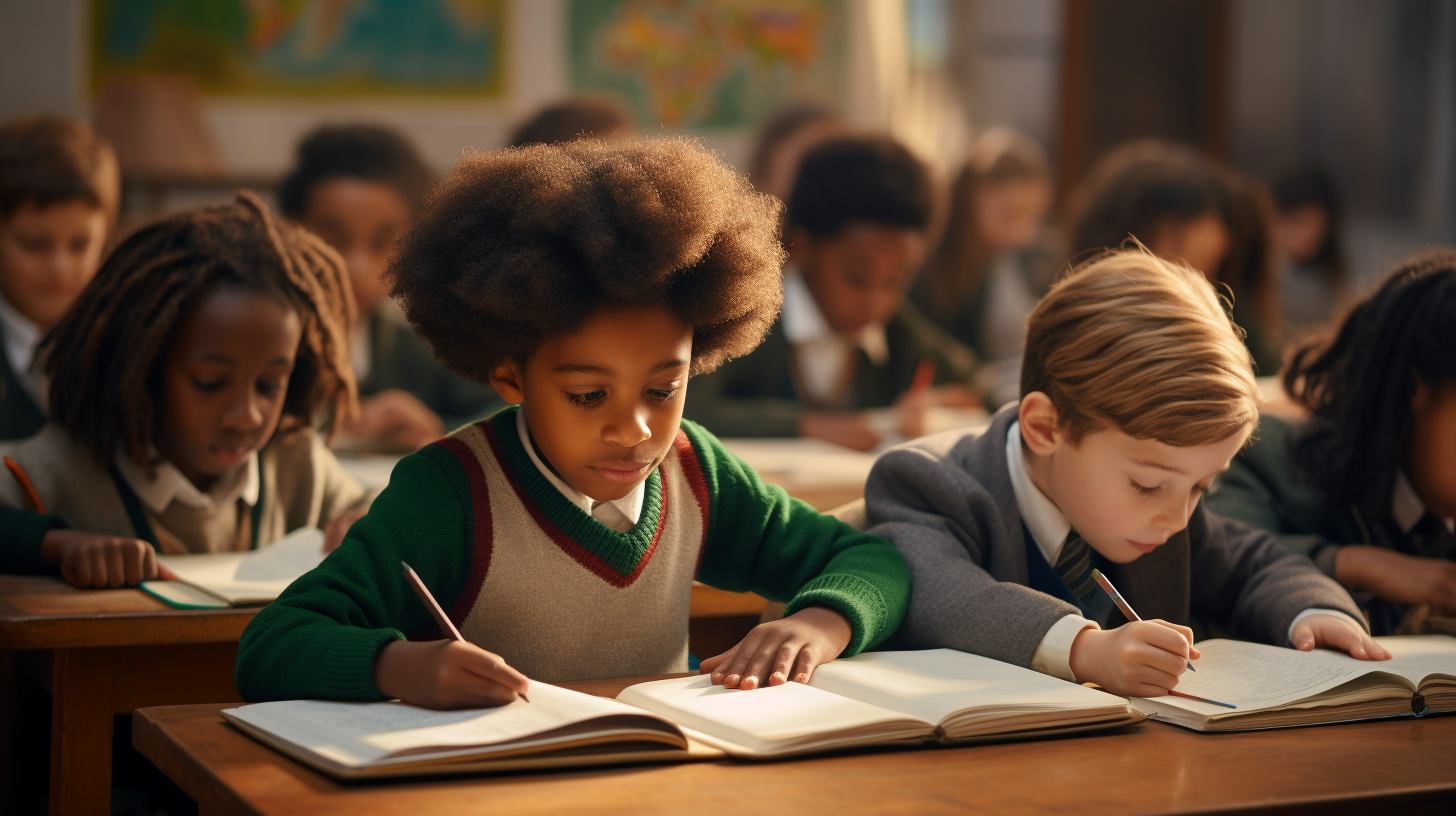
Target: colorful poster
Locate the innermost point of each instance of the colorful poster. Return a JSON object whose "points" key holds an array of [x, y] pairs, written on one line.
{"points": [[707, 63], [306, 47]]}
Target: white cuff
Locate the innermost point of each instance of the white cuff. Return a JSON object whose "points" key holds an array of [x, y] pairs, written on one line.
{"points": [[1054, 653], [1289, 636]]}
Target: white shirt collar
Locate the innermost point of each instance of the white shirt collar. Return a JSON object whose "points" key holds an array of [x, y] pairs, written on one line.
{"points": [[1406, 507], [21, 338], [1049, 528], [629, 505], [804, 322], [170, 485]]}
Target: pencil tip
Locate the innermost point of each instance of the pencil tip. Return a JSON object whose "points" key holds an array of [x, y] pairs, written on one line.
{"points": [[523, 696]]}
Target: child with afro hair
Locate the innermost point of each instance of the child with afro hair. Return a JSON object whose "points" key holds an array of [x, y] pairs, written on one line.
{"points": [[586, 281]]}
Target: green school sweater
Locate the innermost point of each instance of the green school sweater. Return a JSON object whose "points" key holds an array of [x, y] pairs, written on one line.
{"points": [[525, 573]]}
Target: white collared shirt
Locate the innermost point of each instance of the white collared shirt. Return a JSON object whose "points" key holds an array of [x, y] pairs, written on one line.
{"points": [[821, 352], [1406, 507], [170, 485], [1049, 529], [618, 514], [21, 338]]}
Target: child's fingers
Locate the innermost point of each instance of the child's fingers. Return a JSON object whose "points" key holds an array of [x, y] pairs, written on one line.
{"points": [[150, 568], [494, 668], [1186, 632], [756, 673], [116, 565], [805, 665], [1169, 641], [1303, 636], [707, 665], [1153, 677], [782, 665], [134, 559], [736, 668], [76, 571]]}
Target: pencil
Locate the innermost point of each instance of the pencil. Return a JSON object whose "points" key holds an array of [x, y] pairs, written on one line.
{"points": [[1127, 610], [1201, 699], [32, 498], [924, 376], [433, 606]]}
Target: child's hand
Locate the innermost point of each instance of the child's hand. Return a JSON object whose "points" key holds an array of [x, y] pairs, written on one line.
{"points": [[1137, 659], [398, 416], [96, 560], [1393, 576], [1336, 632], [782, 650], [445, 674], [850, 430], [335, 531]]}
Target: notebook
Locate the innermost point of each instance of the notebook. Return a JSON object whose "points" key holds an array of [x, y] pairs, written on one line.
{"points": [[882, 698], [877, 699], [1279, 688], [216, 580]]}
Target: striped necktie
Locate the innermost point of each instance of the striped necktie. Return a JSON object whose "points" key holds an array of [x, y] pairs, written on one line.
{"points": [[1074, 566]]}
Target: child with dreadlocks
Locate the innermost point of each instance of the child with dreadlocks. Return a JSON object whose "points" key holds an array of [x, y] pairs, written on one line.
{"points": [[185, 382], [587, 281]]}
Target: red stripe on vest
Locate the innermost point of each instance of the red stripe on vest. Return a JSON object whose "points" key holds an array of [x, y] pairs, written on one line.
{"points": [[580, 554], [692, 469], [482, 536]]}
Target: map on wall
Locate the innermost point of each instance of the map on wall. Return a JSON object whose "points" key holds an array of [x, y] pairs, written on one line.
{"points": [[305, 47], [707, 63]]}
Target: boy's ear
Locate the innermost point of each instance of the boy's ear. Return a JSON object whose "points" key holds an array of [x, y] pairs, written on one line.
{"points": [[507, 380], [1038, 423]]}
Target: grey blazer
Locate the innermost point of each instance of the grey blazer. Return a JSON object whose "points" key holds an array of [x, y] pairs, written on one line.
{"points": [[946, 503]]}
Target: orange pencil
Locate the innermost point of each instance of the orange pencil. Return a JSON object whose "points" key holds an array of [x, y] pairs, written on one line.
{"points": [[924, 376], [32, 498]]}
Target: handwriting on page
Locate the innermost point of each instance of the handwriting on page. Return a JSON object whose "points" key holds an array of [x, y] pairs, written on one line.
{"points": [[1250, 675]]}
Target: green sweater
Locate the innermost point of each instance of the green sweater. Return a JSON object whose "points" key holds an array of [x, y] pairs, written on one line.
{"points": [[525, 573]]}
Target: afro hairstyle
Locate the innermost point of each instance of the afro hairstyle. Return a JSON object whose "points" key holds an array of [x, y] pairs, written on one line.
{"points": [[524, 244], [861, 179]]}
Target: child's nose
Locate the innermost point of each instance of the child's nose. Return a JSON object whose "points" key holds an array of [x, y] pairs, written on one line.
{"points": [[628, 428], [245, 413]]}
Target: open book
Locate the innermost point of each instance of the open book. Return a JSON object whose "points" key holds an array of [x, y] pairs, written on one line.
{"points": [[882, 698], [1278, 688], [213, 580]]}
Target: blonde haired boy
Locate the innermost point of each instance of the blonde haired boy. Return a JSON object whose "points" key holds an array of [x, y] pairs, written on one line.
{"points": [[1137, 393]]}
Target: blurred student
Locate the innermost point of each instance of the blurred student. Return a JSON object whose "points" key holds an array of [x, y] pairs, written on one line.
{"points": [[358, 187], [784, 139], [1182, 206], [59, 193], [1307, 236], [994, 261], [185, 385], [1367, 485], [583, 117], [847, 340]]}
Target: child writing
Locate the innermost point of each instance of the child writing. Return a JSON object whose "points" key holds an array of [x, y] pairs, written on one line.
{"points": [[59, 192], [994, 261], [358, 187], [586, 281], [1137, 392], [1366, 486], [847, 341], [186, 381]]}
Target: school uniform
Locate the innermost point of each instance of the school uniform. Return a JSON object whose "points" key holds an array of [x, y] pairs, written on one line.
{"points": [[22, 390], [986, 553], [1266, 488], [387, 354], [804, 364], [293, 482]]}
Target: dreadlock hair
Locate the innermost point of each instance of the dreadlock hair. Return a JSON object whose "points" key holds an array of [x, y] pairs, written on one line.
{"points": [[104, 358], [1359, 383]]}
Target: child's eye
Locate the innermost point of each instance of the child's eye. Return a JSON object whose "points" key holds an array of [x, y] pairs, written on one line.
{"points": [[663, 394], [270, 388], [584, 399], [1144, 491], [207, 386]]}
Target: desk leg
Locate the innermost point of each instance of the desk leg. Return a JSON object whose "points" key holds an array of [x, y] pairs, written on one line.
{"points": [[81, 727]]}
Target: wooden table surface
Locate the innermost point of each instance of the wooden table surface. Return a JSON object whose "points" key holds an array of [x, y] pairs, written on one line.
{"points": [[1364, 768]]}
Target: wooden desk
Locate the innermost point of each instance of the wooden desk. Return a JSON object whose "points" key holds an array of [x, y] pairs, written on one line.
{"points": [[1148, 768], [103, 652]]}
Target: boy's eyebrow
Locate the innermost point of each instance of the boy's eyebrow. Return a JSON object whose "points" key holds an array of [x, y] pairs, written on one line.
{"points": [[666, 364], [575, 368], [1159, 466]]}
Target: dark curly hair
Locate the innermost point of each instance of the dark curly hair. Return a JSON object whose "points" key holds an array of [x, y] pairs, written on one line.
{"points": [[104, 358], [1358, 384], [861, 180], [363, 152], [47, 159], [523, 244], [580, 118]]}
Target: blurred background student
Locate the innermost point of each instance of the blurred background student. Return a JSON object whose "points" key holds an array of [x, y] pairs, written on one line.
{"points": [[995, 259], [582, 117], [1315, 279], [59, 193], [358, 187], [784, 139]]}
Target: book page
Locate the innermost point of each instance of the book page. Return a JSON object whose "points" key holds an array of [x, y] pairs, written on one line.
{"points": [[255, 576], [358, 734], [770, 719], [1254, 676], [933, 684]]}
